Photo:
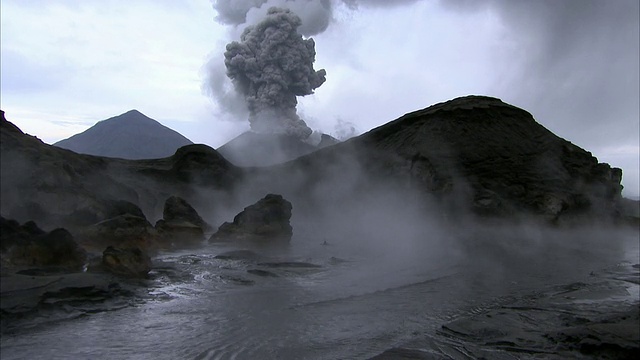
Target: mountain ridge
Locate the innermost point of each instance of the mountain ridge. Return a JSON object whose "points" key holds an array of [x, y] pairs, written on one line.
{"points": [[473, 155]]}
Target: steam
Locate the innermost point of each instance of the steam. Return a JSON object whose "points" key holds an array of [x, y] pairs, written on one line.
{"points": [[270, 66]]}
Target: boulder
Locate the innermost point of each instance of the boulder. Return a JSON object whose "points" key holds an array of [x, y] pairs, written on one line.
{"points": [[12, 233], [265, 221], [183, 231], [178, 209], [115, 208], [181, 221], [28, 245], [124, 230], [128, 262]]}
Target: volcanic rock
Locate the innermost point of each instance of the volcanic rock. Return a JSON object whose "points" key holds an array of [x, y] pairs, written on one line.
{"points": [[12, 233], [182, 232], [57, 187], [121, 231], [27, 298], [247, 255], [178, 209], [28, 245], [475, 154], [131, 135], [181, 221], [116, 208], [128, 262], [265, 221]]}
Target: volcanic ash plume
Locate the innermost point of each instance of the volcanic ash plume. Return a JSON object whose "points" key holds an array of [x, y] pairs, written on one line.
{"points": [[270, 66]]}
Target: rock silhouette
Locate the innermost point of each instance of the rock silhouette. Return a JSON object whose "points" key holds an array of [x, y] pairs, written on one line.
{"points": [[265, 221], [29, 246], [181, 222], [128, 262]]}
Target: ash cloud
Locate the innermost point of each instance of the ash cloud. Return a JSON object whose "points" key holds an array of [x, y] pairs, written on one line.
{"points": [[315, 15], [272, 65]]}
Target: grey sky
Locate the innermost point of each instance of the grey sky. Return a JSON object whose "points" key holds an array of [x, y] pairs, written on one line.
{"points": [[572, 63]]}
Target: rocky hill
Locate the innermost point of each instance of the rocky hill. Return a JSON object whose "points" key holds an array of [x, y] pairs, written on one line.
{"points": [[480, 153], [508, 161], [58, 187], [473, 155], [131, 135]]}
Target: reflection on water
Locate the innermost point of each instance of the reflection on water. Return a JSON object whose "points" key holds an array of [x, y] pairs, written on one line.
{"points": [[359, 302]]}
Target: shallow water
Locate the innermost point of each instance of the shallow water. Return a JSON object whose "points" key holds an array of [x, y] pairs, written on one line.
{"points": [[357, 304]]}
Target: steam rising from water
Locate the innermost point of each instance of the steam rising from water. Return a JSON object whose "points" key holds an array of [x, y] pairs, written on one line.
{"points": [[270, 66]]}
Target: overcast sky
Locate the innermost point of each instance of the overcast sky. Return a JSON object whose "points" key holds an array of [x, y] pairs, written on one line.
{"points": [[573, 64]]}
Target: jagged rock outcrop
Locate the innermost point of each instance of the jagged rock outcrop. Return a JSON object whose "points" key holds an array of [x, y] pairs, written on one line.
{"points": [[29, 246], [127, 262], [508, 161], [265, 221], [131, 135], [479, 153], [178, 209], [181, 222]]}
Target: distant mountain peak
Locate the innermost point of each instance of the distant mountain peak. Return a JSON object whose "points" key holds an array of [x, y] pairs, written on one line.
{"points": [[131, 135], [131, 115]]}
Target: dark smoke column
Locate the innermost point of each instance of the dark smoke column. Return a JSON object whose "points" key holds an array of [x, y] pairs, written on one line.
{"points": [[270, 66]]}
